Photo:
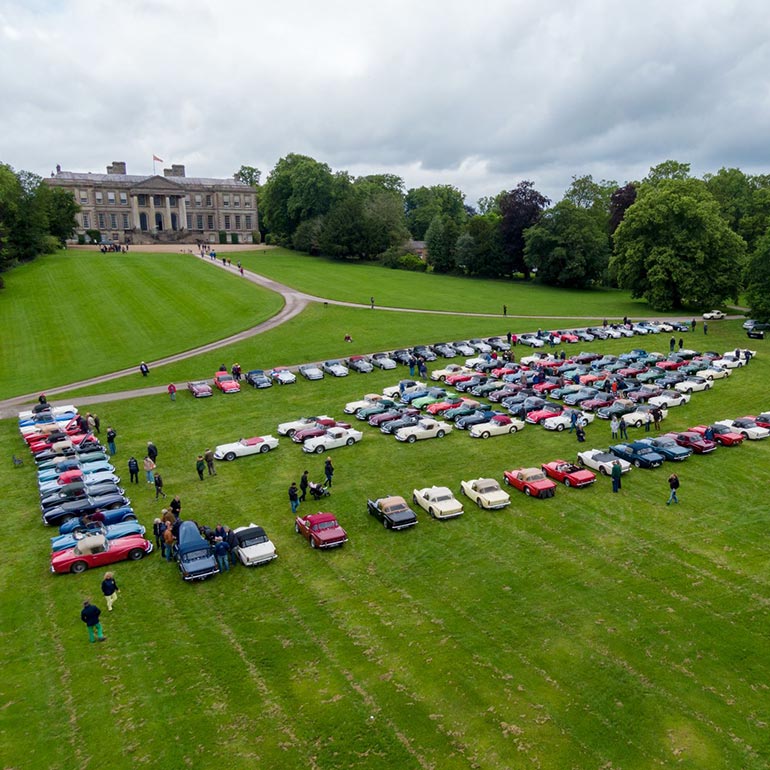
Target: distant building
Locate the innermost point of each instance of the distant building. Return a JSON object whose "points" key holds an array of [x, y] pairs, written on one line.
{"points": [[173, 208]]}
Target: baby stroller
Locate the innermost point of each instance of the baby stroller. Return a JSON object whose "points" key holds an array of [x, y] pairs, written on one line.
{"points": [[317, 491]]}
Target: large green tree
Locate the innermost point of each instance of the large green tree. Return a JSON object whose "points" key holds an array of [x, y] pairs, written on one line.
{"points": [[61, 208], [520, 208], [422, 204], [568, 246], [585, 193], [675, 249], [758, 280], [440, 241], [487, 257], [249, 175]]}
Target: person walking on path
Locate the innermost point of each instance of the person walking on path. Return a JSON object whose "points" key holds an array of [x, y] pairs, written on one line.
{"points": [[158, 479], [172, 391], [303, 482], [614, 425], [200, 466], [112, 434], [144, 369], [110, 589], [222, 552], [149, 467], [152, 451], [328, 471], [293, 497], [90, 616], [623, 428], [371, 302], [133, 470], [208, 456], [673, 485], [617, 474]]}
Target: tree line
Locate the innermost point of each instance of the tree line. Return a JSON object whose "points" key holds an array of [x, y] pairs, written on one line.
{"points": [[673, 239]]}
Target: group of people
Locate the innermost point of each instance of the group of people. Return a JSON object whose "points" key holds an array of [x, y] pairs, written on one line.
{"points": [[298, 494]]}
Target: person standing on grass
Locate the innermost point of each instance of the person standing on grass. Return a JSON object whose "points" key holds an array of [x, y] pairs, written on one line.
{"points": [[90, 616], [222, 553], [614, 426], [208, 456], [133, 469], [110, 589], [158, 528], [303, 482], [617, 474], [144, 369], [152, 451], [371, 302], [681, 343], [705, 328], [647, 422], [657, 416], [200, 466], [572, 419], [328, 471], [112, 434], [672, 344], [149, 467], [623, 428], [172, 391], [158, 479], [293, 496], [168, 541], [673, 485], [176, 507]]}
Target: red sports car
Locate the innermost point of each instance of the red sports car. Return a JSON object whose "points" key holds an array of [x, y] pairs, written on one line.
{"points": [[199, 388], [670, 365], [569, 474], [226, 383], [530, 481], [545, 387], [503, 370], [95, 550], [722, 435], [453, 379], [596, 403], [321, 530], [763, 420], [539, 416], [694, 441], [567, 336], [439, 407], [632, 371]]}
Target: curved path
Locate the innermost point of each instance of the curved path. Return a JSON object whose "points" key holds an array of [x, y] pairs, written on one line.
{"points": [[294, 303]]}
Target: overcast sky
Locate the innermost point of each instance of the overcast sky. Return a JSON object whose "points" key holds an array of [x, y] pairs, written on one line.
{"points": [[478, 95]]}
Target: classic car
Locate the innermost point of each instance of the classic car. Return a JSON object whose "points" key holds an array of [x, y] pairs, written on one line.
{"points": [[530, 481], [312, 431], [755, 334], [332, 439], [383, 405], [111, 532], [475, 418], [763, 419], [87, 505], [644, 393], [565, 390], [422, 351], [54, 483], [601, 401], [458, 377], [486, 493], [720, 434], [194, 554], [383, 361], [258, 379], [368, 400], [566, 336], [531, 340], [288, 428], [669, 398], [728, 361], [321, 530], [226, 382], [694, 383], [245, 446], [693, 440], [431, 396], [112, 516], [479, 345], [439, 502], [639, 416], [391, 426], [447, 403], [666, 446], [447, 371], [311, 372], [199, 388], [584, 394], [395, 413], [463, 348], [335, 368], [445, 350], [392, 511], [569, 474], [715, 373], [498, 425], [602, 461], [360, 364], [77, 491], [423, 429], [95, 550], [564, 420], [252, 546], [509, 391], [282, 376], [639, 454], [498, 343], [746, 427], [403, 387], [466, 385], [714, 315]]}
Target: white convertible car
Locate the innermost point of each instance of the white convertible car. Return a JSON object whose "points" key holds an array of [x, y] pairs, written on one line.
{"points": [[253, 546], [439, 502], [714, 315], [602, 461], [639, 417], [370, 399], [563, 421], [486, 493], [746, 427], [289, 428], [425, 428], [669, 398], [693, 384], [333, 438], [714, 372], [442, 374], [246, 446], [499, 425], [335, 368]]}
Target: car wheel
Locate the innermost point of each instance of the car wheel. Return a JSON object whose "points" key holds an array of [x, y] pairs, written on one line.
{"points": [[129, 517], [312, 543], [560, 427], [637, 464], [296, 527], [78, 567], [230, 456], [350, 441], [506, 482], [479, 503], [485, 434], [432, 513], [638, 423], [440, 434], [527, 491], [290, 433], [385, 523], [581, 461], [319, 450], [567, 483], [514, 428], [602, 470], [411, 439], [264, 448], [135, 554]]}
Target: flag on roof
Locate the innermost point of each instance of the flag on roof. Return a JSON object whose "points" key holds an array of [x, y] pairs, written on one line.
{"points": [[155, 157]]}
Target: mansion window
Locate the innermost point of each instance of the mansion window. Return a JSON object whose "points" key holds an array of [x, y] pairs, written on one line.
{"points": [[101, 221], [111, 198], [236, 201], [225, 200], [86, 221], [208, 201], [173, 199], [189, 221], [248, 221], [126, 223], [227, 221], [198, 200], [237, 221], [84, 196], [99, 198], [141, 200], [157, 200], [123, 199], [114, 221], [199, 221], [210, 221], [247, 201]]}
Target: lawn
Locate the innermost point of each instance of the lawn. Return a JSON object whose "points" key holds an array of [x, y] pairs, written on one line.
{"points": [[77, 314], [590, 630]]}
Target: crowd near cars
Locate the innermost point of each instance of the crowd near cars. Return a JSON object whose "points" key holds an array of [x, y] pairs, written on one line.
{"points": [[490, 395]]}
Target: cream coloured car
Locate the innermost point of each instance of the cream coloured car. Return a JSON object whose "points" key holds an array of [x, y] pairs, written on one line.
{"points": [[486, 493], [439, 502]]}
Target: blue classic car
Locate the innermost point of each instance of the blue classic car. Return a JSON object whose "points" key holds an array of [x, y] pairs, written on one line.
{"points": [[113, 516], [666, 446], [111, 532], [639, 454], [194, 554], [258, 379]]}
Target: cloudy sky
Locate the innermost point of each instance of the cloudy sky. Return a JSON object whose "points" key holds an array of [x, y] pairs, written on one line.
{"points": [[478, 95]]}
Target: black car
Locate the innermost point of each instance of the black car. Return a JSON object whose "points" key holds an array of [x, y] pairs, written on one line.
{"points": [[475, 418], [424, 352], [404, 422], [756, 334], [466, 385], [258, 379], [73, 492], [445, 349], [77, 508]]}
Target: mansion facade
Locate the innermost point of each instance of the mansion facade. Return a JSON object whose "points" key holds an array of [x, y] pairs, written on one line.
{"points": [[172, 208]]}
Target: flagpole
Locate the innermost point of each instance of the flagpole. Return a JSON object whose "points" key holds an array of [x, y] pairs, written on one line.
{"points": [[153, 165]]}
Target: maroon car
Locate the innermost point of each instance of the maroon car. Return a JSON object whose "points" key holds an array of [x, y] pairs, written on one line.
{"points": [[313, 431], [692, 440], [321, 530]]}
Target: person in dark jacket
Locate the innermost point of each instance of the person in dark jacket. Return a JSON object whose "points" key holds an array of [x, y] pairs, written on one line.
{"points": [[144, 369], [303, 482], [176, 507], [673, 485], [152, 451], [232, 541], [208, 456], [133, 469], [293, 497], [90, 616], [159, 487], [158, 528], [200, 466], [328, 471], [110, 589], [112, 434], [222, 552]]}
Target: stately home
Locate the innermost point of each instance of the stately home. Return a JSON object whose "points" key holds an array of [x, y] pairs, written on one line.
{"points": [[173, 208]]}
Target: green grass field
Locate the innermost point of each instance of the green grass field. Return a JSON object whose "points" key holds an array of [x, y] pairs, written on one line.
{"points": [[590, 630]]}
